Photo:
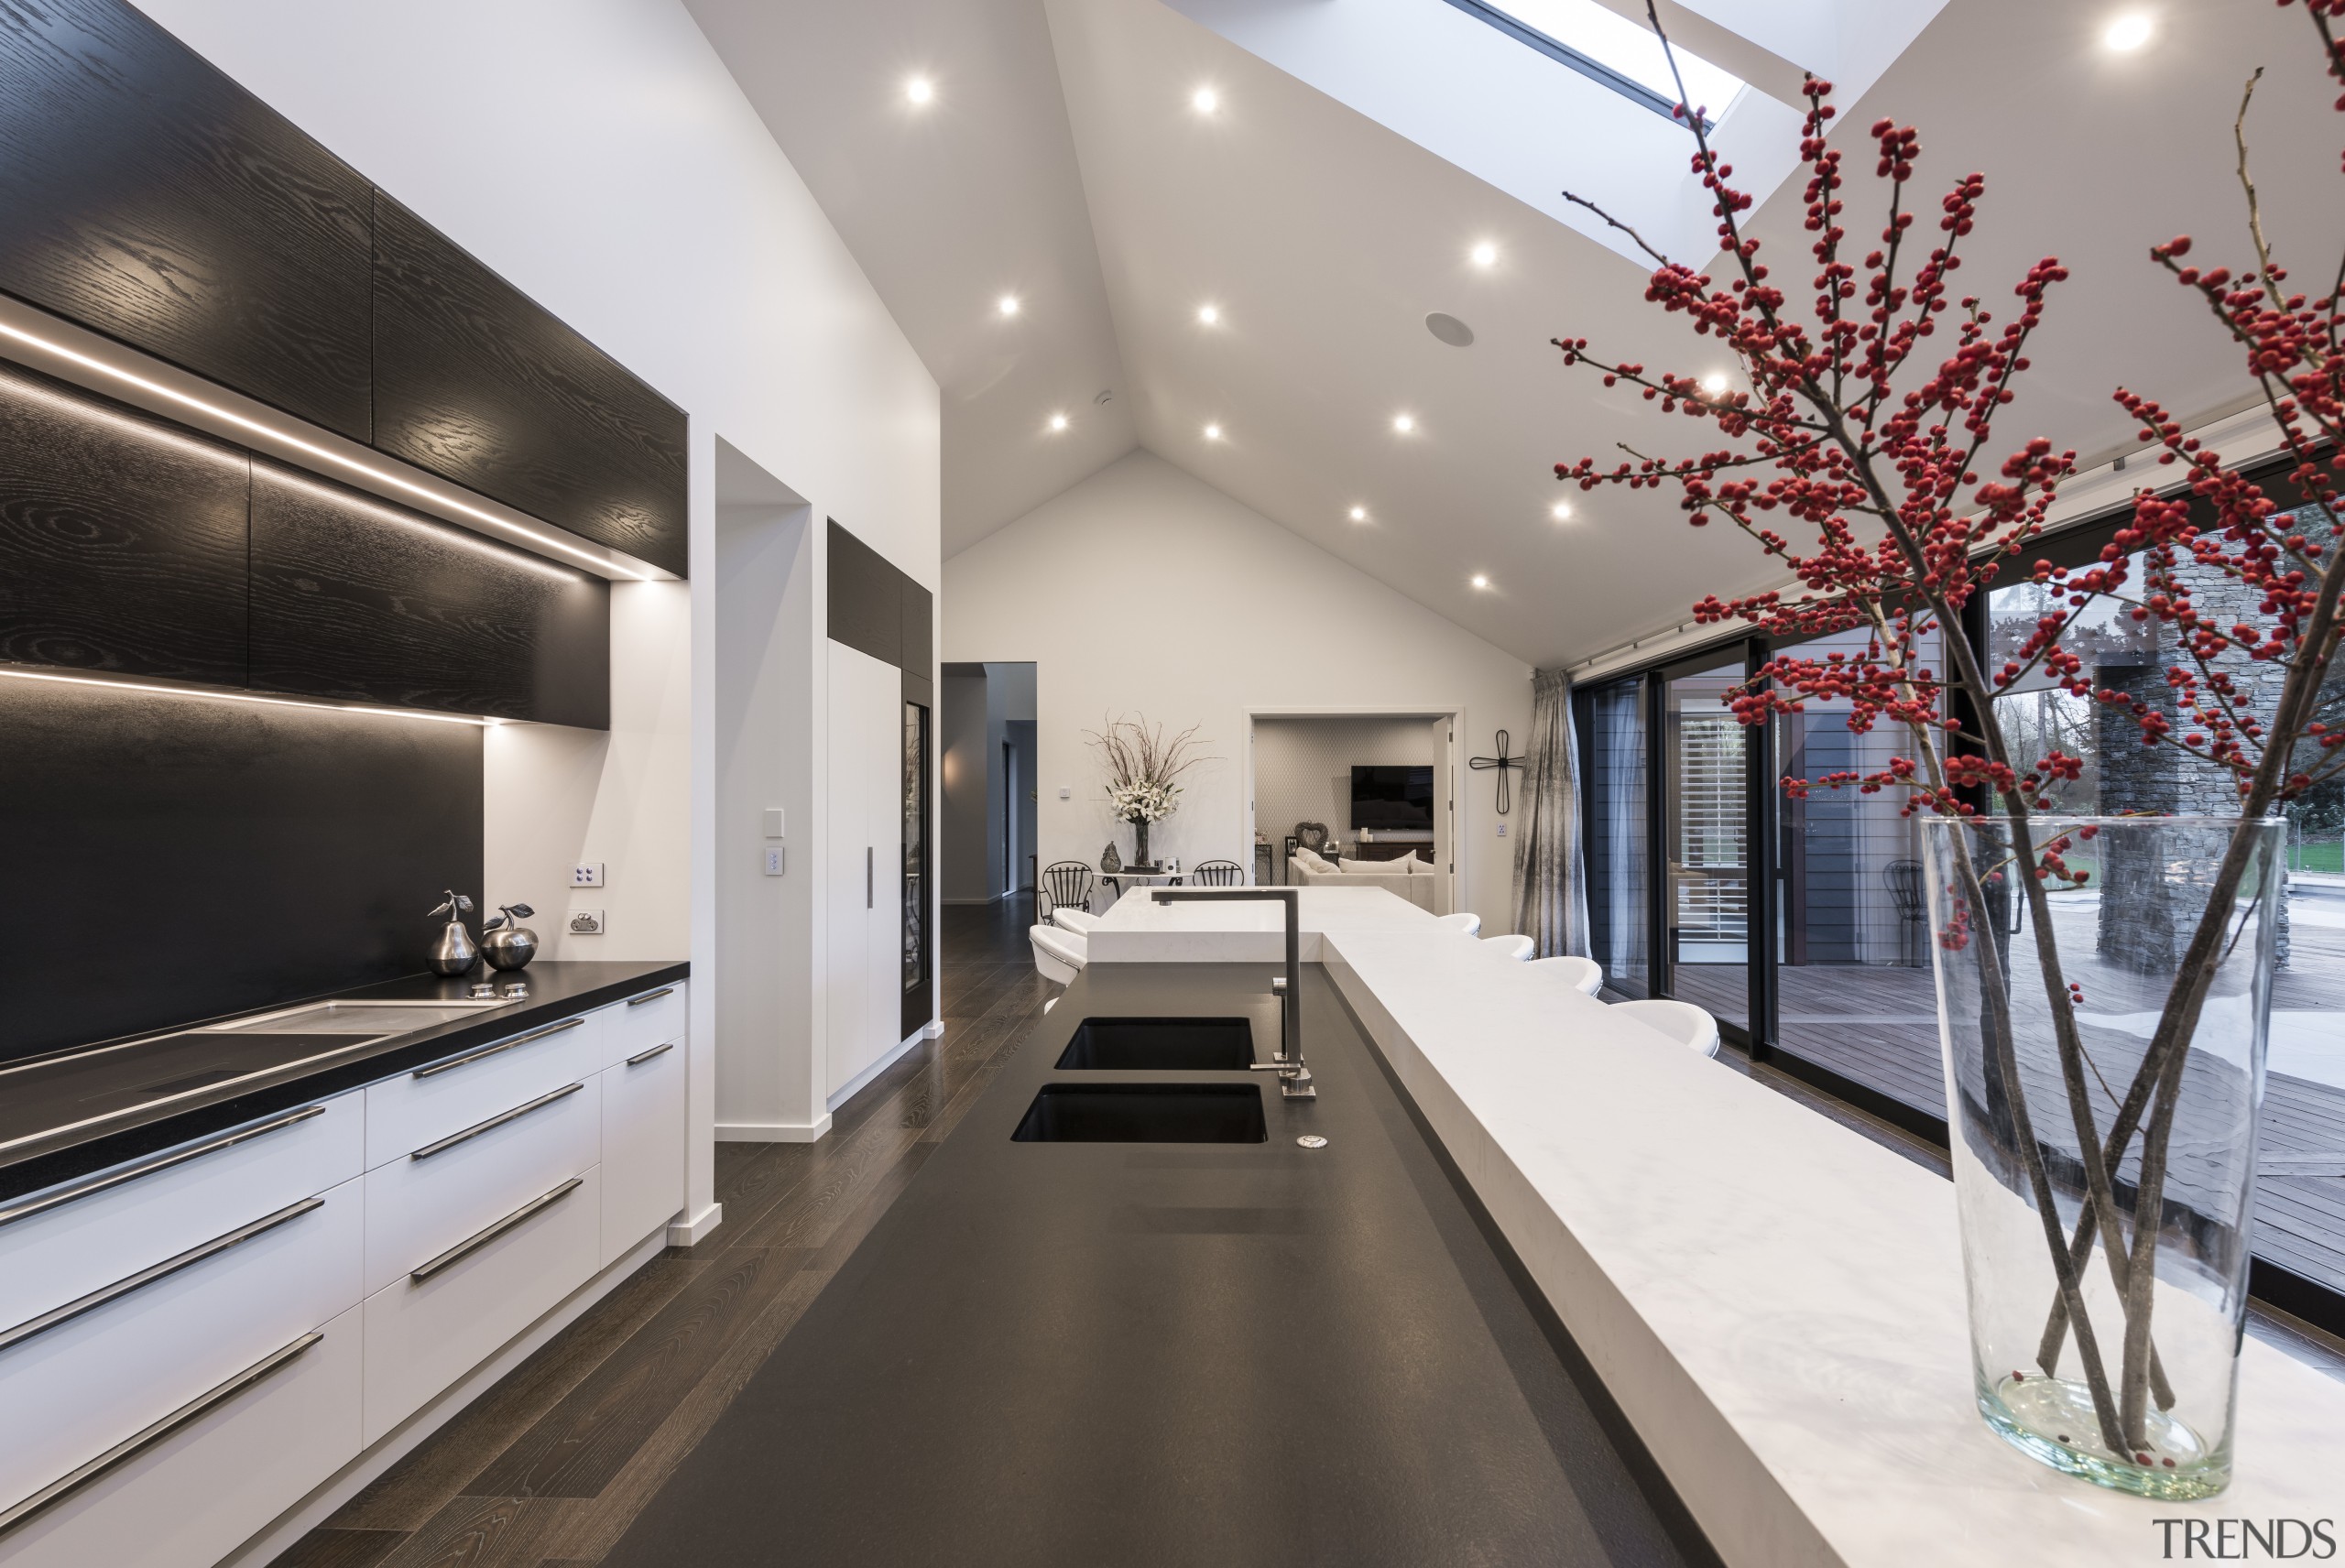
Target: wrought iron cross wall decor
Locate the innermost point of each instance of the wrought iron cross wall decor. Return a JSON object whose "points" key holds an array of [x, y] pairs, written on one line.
{"points": [[1504, 764]]}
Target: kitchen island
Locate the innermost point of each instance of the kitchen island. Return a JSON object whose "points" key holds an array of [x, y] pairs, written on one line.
{"points": [[1230, 1352]]}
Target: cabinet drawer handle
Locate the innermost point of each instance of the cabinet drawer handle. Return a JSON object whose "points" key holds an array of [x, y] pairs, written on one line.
{"points": [[651, 995], [498, 1120], [472, 1056], [640, 1057], [130, 1447], [30, 1328], [113, 1179], [481, 1238]]}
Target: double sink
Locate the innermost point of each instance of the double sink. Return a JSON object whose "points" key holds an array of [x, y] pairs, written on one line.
{"points": [[1096, 1112]]}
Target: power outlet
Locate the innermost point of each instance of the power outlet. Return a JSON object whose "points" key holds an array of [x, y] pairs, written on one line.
{"points": [[586, 922], [1502, 829], [586, 873], [773, 860]]}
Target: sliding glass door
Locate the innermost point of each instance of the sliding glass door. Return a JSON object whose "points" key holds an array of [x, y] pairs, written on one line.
{"points": [[1706, 840], [1853, 989]]}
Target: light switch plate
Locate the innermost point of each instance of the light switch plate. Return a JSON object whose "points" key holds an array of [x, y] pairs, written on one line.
{"points": [[773, 823], [773, 859], [586, 922], [586, 873], [1065, 793]]}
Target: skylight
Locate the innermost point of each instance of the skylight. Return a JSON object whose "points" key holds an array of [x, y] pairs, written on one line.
{"points": [[1609, 48]]}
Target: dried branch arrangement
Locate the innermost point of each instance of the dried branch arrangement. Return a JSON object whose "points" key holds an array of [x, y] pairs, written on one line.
{"points": [[1144, 767]]}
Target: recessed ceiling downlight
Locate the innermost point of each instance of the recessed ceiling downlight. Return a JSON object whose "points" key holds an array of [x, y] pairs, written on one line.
{"points": [[2127, 33], [1449, 329]]}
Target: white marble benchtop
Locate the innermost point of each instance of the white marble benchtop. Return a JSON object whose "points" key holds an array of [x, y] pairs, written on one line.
{"points": [[1775, 1300], [1183, 929]]}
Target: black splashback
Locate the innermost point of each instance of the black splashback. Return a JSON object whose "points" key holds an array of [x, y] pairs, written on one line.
{"points": [[169, 858]]}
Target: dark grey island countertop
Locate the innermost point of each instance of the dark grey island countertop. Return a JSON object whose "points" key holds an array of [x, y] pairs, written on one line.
{"points": [[69, 1112], [1108, 1353]]}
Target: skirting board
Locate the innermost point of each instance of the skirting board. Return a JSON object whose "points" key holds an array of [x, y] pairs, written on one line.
{"points": [[314, 1509], [688, 1233], [845, 1092], [773, 1132]]}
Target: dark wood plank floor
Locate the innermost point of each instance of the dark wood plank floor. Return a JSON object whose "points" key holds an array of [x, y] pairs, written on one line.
{"points": [[552, 1465]]}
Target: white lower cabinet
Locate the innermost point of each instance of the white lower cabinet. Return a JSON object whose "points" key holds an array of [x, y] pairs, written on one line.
{"points": [[423, 1203], [643, 1145], [193, 1342], [88, 1390], [423, 1334]]}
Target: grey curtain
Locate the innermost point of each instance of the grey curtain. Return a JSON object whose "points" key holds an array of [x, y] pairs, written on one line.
{"points": [[1550, 869]]}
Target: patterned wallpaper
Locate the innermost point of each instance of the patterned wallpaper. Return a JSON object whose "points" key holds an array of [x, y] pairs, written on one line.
{"points": [[1302, 767]]}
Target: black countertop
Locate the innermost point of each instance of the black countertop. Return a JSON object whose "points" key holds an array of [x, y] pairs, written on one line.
{"points": [[1156, 1354], [65, 1114]]}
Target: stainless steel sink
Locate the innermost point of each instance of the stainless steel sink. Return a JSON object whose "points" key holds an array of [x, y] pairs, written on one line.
{"points": [[344, 1016]]}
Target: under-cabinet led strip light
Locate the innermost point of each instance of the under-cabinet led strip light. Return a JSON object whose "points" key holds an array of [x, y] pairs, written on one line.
{"points": [[310, 449], [246, 697]]}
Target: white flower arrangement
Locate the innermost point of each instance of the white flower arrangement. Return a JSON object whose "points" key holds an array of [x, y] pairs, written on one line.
{"points": [[1145, 801]]}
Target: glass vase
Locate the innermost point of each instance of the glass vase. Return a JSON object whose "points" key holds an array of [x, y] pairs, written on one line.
{"points": [[2104, 991], [1140, 844]]}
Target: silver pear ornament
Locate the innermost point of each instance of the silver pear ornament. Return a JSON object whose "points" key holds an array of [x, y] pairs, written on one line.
{"points": [[454, 953], [505, 941]]}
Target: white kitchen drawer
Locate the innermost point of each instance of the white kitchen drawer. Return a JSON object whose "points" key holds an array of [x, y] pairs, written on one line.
{"points": [[643, 1145], [421, 1204], [86, 1234], [655, 1017], [72, 1385], [407, 1111], [198, 1490], [423, 1335]]}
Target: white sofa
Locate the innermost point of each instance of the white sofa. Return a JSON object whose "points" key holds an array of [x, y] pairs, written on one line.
{"points": [[1409, 877]]}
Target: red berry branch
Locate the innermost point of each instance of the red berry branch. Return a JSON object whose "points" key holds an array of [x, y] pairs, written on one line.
{"points": [[1857, 457]]}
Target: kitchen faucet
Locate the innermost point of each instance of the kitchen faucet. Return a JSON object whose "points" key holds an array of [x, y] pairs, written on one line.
{"points": [[1294, 1078]]}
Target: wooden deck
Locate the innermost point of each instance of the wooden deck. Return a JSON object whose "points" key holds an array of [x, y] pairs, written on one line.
{"points": [[1878, 1026]]}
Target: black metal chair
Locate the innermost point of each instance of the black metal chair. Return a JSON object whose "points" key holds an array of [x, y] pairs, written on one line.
{"points": [[1065, 882], [1218, 874], [1904, 879]]}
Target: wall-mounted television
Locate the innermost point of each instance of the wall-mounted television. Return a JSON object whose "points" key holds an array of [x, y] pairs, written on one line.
{"points": [[1392, 799]]}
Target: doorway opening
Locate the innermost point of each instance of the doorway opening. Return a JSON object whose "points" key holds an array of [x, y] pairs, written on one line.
{"points": [[988, 741], [1356, 796]]}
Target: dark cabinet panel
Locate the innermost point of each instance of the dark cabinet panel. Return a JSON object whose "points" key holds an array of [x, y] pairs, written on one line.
{"points": [[478, 383], [919, 654], [145, 195], [867, 598], [356, 599], [121, 539]]}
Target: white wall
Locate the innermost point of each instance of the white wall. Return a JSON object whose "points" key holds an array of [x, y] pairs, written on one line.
{"points": [[597, 154], [1251, 616]]}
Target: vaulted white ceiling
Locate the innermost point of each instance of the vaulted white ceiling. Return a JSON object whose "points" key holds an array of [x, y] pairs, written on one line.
{"points": [[1061, 160]]}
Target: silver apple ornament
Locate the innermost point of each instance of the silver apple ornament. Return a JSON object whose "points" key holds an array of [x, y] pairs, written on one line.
{"points": [[505, 941]]}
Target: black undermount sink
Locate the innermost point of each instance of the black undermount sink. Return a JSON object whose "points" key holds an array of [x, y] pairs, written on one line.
{"points": [[1159, 1045], [1144, 1112]]}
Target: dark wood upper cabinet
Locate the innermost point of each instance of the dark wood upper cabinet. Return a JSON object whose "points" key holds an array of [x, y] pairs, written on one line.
{"points": [[867, 598], [478, 383], [121, 539], [145, 195], [354, 598]]}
